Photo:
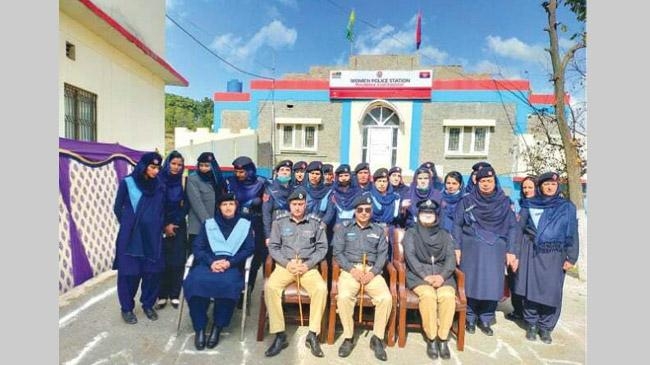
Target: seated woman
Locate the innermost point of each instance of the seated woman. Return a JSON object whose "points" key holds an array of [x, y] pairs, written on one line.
{"points": [[430, 263], [220, 251]]}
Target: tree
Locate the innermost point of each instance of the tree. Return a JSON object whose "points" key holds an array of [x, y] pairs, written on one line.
{"points": [[570, 142], [559, 63]]}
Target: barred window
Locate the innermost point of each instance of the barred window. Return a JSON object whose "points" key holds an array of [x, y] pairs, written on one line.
{"points": [[80, 114], [453, 142]]}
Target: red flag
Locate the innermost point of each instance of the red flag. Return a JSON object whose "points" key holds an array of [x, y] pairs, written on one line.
{"points": [[418, 32]]}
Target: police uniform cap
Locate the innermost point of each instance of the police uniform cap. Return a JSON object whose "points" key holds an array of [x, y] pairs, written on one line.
{"points": [[241, 162], [228, 196], [314, 165], [327, 167], [479, 165], [362, 199], [284, 163], [361, 166], [300, 165], [394, 169], [343, 169], [298, 194], [382, 172], [487, 171], [551, 175], [428, 206]]}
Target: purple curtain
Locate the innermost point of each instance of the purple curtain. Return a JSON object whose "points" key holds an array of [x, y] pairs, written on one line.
{"points": [[91, 154], [81, 270]]}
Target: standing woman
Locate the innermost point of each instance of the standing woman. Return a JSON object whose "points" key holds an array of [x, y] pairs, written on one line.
{"points": [[139, 208], [549, 248], [220, 250], [451, 195], [422, 188], [203, 188], [485, 230], [175, 247], [528, 186]]}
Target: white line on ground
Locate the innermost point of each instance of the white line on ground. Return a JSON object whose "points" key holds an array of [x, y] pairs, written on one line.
{"points": [[71, 316], [89, 346]]}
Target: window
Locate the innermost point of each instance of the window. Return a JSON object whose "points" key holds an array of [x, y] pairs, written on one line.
{"points": [[298, 133], [476, 130], [80, 114], [70, 50]]}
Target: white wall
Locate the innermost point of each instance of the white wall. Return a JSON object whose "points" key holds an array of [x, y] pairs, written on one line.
{"points": [[225, 145], [130, 98], [144, 18]]}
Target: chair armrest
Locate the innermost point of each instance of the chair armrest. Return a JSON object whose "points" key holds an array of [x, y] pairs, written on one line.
{"points": [[188, 264], [247, 268], [268, 266], [460, 281], [392, 278], [323, 269]]}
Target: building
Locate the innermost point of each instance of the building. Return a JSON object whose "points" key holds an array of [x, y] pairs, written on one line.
{"points": [[386, 110], [112, 73]]}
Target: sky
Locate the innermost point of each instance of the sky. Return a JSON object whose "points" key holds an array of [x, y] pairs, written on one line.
{"points": [[270, 38]]}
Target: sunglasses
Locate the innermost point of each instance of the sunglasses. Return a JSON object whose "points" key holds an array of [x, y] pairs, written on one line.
{"points": [[364, 210]]}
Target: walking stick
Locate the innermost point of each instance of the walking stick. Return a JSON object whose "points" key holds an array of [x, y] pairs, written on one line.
{"points": [[363, 266], [433, 264], [299, 295]]}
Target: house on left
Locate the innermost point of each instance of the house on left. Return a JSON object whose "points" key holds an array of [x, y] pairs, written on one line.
{"points": [[112, 78]]}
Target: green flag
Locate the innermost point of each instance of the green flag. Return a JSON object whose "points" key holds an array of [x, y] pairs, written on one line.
{"points": [[348, 33]]}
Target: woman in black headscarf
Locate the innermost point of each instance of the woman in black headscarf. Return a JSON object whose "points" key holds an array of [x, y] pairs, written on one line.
{"points": [[485, 229], [220, 251], [549, 248], [139, 208], [430, 262], [203, 188], [175, 247]]}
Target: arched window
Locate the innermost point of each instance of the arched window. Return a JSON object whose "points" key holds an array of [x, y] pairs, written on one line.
{"points": [[380, 127]]}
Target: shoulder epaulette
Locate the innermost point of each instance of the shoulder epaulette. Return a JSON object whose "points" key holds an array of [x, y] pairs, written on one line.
{"points": [[315, 217], [347, 223], [282, 215]]}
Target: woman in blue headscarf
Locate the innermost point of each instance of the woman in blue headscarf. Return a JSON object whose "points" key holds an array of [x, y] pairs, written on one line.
{"points": [[486, 231], [139, 208], [175, 247], [451, 195], [549, 248], [220, 251]]}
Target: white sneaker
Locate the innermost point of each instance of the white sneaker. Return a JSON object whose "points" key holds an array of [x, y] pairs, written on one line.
{"points": [[161, 303]]}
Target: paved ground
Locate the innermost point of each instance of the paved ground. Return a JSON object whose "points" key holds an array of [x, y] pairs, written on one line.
{"points": [[91, 331]]}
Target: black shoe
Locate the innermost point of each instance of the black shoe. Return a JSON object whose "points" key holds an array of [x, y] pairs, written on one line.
{"points": [[278, 345], [150, 313], [213, 339], [443, 349], [432, 350], [470, 327], [129, 317], [199, 340], [531, 333], [485, 328], [377, 347], [312, 343], [175, 303], [514, 316], [346, 347], [161, 303], [545, 336]]}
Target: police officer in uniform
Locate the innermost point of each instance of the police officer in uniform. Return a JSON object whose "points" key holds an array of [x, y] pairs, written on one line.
{"points": [[351, 242], [297, 244]]}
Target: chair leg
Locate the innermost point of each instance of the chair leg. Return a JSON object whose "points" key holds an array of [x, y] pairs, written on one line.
{"points": [[460, 336], [331, 325], [401, 339], [244, 313], [261, 323], [390, 341]]}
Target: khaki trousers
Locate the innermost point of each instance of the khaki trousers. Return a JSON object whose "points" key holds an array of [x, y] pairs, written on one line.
{"points": [[312, 282], [347, 298], [437, 308]]}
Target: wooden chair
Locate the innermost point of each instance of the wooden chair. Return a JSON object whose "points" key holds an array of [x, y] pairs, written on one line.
{"points": [[409, 300], [390, 274], [290, 296]]}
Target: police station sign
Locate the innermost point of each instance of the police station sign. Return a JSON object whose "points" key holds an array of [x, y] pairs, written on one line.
{"points": [[402, 84]]}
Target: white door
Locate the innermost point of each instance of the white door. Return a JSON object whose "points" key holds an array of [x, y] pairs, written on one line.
{"points": [[380, 147]]}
